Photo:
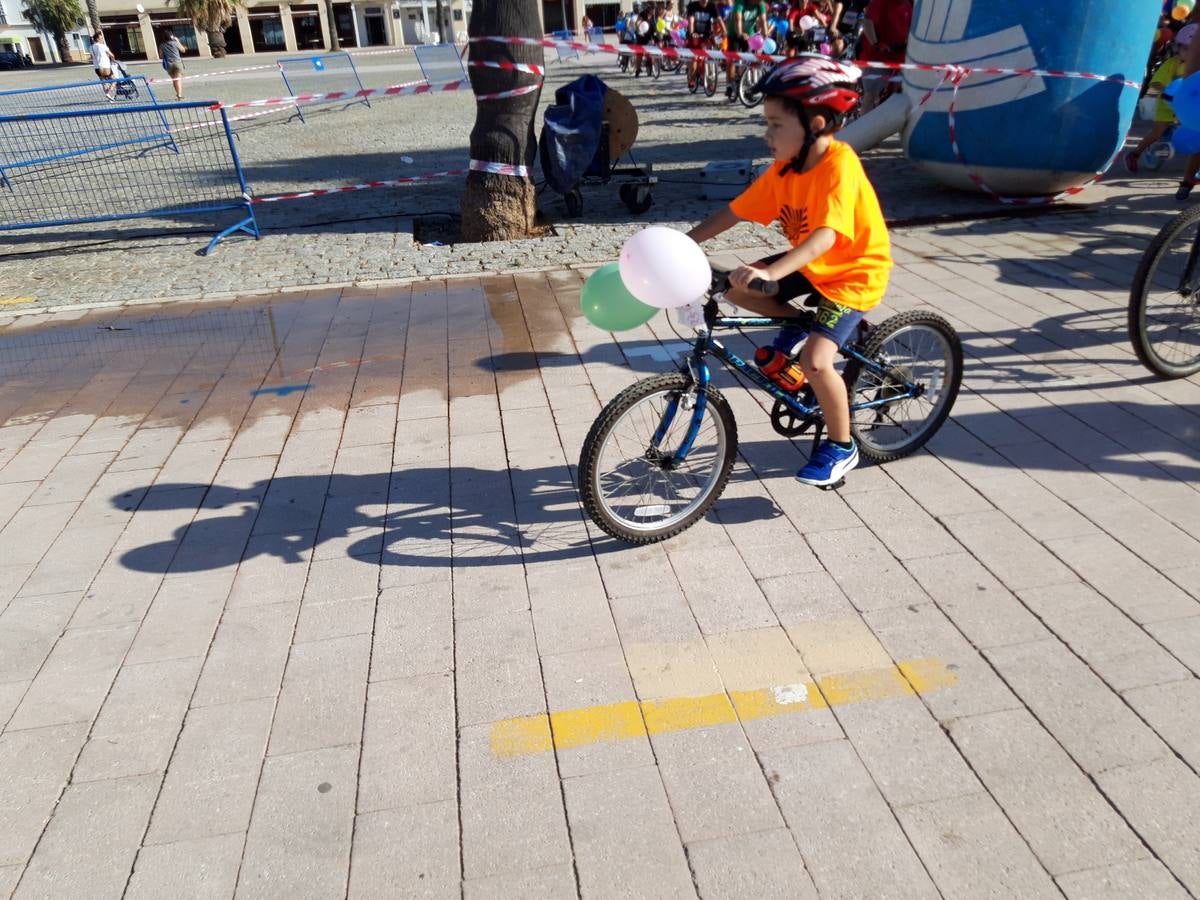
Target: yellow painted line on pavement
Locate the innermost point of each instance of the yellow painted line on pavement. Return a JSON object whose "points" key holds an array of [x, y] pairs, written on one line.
{"points": [[13, 301], [612, 722]]}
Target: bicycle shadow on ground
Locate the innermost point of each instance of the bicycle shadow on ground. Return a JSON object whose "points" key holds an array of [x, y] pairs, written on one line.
{"points": [[433, 517], [472, 517]]}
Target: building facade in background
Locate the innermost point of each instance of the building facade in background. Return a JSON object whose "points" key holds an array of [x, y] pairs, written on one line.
{"points": [[18, 36], [134, 33]]}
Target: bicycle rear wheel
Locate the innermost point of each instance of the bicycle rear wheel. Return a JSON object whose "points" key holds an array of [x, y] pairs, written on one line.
{"points": [[1164, 302], [626, 480], [913, 347]]}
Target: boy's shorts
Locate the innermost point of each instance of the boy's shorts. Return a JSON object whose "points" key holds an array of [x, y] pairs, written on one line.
{"points": [[834, 321]]}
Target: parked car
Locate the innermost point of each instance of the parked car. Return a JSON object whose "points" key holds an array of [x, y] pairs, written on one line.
{"points": [[9, 60]]}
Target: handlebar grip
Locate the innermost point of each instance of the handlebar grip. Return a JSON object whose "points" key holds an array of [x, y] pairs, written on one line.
{"points": [[762, 285]]}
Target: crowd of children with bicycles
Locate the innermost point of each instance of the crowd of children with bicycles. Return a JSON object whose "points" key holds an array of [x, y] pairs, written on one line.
{"points": [[874, 30]]}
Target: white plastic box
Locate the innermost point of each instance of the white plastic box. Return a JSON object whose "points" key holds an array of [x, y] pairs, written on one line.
{"points": [[725, 180]]}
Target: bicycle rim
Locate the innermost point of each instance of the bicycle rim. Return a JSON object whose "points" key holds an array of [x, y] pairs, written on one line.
{"points": [[914, 354], [1166, 320], [636, 490], [748, 80]]}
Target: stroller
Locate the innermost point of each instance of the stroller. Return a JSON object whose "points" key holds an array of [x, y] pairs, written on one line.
{"points": [[587, 131], [125, 87]]}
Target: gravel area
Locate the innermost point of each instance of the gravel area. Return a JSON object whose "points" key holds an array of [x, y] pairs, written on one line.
{"points": [[367, 236]]}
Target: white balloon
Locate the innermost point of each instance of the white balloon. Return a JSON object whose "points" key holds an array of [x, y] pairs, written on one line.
{"points": [[807, 22], [665, 268]]}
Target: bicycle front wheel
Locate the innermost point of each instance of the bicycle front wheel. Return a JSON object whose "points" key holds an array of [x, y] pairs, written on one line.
{"points": [[750, 77], [712, 77], [912, 348], [1164, 302], [629, 483]]}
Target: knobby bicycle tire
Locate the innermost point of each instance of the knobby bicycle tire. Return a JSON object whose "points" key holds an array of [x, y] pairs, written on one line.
{"points": [[874, 345], [1138, 292], [589, 474]]}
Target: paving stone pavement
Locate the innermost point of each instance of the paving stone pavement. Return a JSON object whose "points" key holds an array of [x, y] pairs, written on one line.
{"points": [[368, 237], [297, 599]]}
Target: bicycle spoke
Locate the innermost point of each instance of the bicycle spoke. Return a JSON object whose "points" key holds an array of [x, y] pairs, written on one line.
{"points": [[1169, 326], [642, 485]]}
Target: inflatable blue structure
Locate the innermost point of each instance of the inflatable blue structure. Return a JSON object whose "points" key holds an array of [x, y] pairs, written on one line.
{"points": [[1025, 135]]}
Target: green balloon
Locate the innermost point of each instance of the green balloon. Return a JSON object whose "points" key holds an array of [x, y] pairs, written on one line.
{"points": [[607, 304]]}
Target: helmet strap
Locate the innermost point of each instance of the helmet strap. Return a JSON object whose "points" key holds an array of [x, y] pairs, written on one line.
{"points": [[797, 162]]}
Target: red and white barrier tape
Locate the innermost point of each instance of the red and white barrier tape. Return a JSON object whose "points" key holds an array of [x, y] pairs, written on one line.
{"points": [[996, 195], [515, 92], [392, 91], [365, 186], [274, 110], [358, 53], [685, 53], [475, 166], [495, 168], [396, 90], [216, 74], [507, 66]]}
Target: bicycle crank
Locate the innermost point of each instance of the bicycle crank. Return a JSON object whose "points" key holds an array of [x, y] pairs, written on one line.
{"points": [[787, 422]]}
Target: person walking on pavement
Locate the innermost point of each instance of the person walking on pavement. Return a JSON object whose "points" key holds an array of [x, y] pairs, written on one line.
{"points": [[102, 62], [171, 53]]}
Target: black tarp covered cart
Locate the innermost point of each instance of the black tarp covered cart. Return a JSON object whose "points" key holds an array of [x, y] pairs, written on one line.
{"points": [[586, 133]]}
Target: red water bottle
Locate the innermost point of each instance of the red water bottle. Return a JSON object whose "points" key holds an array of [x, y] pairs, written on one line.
{"points": [[784, 371]]}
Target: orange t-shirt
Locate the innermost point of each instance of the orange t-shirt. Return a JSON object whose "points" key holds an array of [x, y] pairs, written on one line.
{"points": [[836, 194]]}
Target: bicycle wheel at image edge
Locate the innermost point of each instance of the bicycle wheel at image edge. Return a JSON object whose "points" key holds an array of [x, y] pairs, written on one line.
{"points": [[916, 347], [1164, 322], [627, 488]]}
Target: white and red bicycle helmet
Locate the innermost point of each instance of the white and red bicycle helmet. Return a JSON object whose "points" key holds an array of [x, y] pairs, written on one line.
{"points": [[815, 80], [811, 80]]}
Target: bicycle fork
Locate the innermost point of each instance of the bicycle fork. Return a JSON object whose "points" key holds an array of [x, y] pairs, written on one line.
{"points": [[694, 401]]}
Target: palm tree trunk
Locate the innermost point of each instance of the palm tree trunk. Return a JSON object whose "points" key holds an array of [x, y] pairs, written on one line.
{"points": [[93, 11], [335, 42], [64, 46], [502, 207], [441, 17]]}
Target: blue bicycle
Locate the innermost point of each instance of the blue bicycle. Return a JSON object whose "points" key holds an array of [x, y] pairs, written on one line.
{"points": [[660, 453]]}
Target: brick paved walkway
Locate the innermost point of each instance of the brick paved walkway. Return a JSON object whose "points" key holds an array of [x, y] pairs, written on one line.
{"points": [[296, 600]]}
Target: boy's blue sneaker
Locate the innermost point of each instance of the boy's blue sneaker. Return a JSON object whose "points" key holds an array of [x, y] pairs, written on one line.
{"points": [[829, 464]]}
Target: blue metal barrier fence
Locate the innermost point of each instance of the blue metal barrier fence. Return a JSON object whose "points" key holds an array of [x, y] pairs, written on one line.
{"points": [[321, 74], [76, 95], [104, 168], [440, 63]]}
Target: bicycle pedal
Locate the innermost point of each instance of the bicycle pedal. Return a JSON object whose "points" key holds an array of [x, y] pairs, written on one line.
{"points": [[833, 487]]}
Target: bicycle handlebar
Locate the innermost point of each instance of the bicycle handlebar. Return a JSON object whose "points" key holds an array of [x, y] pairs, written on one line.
{"points": [[720, 281]]}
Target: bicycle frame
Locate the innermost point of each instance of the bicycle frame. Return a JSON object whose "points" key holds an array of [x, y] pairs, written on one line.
{"points": [[696, 368]]}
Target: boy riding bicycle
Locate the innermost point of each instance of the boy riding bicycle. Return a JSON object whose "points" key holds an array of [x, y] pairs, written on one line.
{"points": [[700, 23], [840, 256]]}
